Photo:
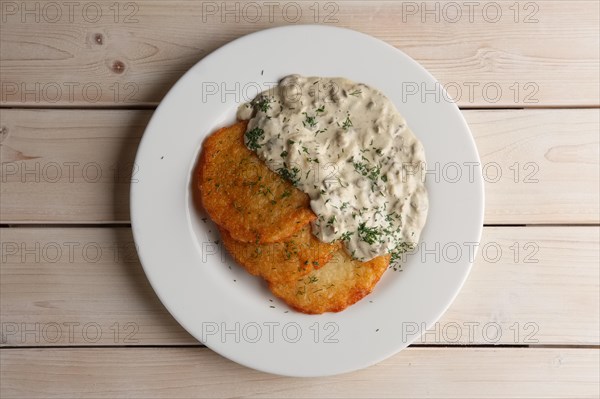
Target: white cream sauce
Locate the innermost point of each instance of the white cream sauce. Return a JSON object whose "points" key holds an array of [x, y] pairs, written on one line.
{"points": [[346, 146]]}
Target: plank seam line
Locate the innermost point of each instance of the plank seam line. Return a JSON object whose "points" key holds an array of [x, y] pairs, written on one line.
{"points": [[66, 225], [198, 345], [128, 225], [151, 107]]}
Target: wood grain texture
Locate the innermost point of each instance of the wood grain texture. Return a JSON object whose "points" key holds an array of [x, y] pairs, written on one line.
{"points": [[63, 166], [77, 316], [68, 166], [199, 373], [539, 166], [84, 286], [543, 53]]}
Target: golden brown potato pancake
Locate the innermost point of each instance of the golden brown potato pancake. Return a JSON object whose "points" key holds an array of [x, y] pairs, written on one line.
{"points": [[333, 287], [283, 261], [242, 195]]}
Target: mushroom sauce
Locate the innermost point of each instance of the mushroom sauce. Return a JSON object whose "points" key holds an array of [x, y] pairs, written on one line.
{"points": [[347, 147]]}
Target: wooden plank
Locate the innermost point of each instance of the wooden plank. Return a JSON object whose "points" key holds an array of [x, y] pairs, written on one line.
{"points": [[199, 372], [68, 166], [63, 166], [84, 286], [132, 53], [539, 166], [83, 280]]}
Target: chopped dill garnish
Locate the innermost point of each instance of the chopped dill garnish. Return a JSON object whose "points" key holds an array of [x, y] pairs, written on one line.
{"points": [[263, 104], [400, 249], [289, 174], [346, 236], [310, 121], [370, 235], [347, 123], [253, 136], [364, 169], [355, 93]]}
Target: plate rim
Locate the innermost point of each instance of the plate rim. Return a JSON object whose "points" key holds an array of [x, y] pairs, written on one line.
{"points": [[172, 92]]}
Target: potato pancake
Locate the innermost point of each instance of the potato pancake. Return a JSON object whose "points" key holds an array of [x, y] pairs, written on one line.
{"points": [[242, 195], [333, 287], [283, 261]]}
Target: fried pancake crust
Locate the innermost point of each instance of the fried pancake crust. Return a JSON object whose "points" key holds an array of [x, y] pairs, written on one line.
{"points": [[335, 286], [284, 261], [242, 195]]}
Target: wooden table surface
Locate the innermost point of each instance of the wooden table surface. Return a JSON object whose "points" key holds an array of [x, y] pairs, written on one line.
{"points": [[79, 82]]}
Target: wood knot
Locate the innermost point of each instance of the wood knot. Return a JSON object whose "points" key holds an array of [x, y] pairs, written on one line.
{"points": [[118, 67], [3, 133]]}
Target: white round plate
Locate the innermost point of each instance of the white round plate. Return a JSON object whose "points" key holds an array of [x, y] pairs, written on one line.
{"points": [[232, 312]]}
